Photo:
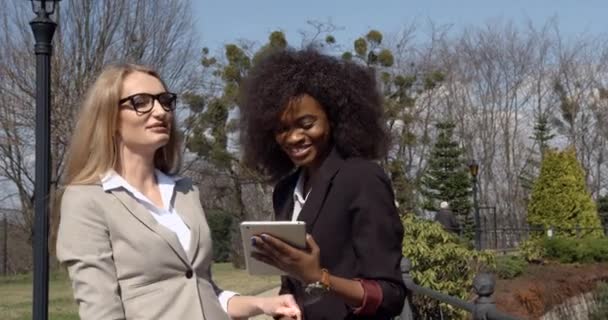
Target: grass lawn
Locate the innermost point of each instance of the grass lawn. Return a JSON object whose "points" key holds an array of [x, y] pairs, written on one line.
{"points": [[16, 292]]}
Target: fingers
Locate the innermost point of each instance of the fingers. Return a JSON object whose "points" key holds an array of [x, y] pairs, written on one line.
{"points": [[291, 312], [277, 244], [288, 311], [267, 249], [289, 307], [299, 263], [275, 248], [312, 244]]}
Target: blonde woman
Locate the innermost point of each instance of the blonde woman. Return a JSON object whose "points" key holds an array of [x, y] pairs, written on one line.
{"points": [[132, 234]]}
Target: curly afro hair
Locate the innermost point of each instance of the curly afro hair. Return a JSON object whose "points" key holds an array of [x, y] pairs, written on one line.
{"points": [[347, 92]]}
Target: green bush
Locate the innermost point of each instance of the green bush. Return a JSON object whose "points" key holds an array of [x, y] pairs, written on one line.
{"points": [[440, 262], [509, 267], [532, 250], [562, 249], [600, 248], [219, 223], [560, 198], [571, 250]]}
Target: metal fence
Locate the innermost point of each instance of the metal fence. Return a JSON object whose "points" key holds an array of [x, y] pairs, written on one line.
{"points": [[483, 307], [507, 239], [15, 246], [499, 233]]}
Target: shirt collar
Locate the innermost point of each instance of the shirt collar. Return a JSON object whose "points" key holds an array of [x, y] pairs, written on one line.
{"points": [[166, 184], [298, 192], [112, 180]]}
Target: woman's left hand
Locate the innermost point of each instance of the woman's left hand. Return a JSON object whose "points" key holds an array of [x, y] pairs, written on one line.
{"points": [[303, 264]]}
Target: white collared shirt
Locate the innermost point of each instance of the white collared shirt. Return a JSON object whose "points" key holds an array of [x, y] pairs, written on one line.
{"points": [[298, 197], [165, 216]]}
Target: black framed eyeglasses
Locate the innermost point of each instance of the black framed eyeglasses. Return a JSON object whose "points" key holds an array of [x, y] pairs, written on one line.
{"points": [[144, 102]]}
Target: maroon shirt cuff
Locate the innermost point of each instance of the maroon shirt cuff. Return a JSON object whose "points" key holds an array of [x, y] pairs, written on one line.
{"points": [[372, 297]]}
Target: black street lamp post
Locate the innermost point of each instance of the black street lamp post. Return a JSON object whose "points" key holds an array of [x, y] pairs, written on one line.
{"points": [[474, 170], [5, 248], [43, 28]]}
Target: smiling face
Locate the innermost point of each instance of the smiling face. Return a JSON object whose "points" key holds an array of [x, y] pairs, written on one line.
{"points": [[144, 131], [304, 132]]}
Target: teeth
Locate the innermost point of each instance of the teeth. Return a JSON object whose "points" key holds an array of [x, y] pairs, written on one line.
{"points": [[299, 150]]}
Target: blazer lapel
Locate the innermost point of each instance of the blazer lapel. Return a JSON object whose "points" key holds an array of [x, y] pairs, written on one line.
{"points": [[285, 198], [139, 212], [184, 205], [286, 211], [320, 186]]}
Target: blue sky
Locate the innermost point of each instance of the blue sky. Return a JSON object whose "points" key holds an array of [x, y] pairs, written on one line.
{"points": [[221, 21]]}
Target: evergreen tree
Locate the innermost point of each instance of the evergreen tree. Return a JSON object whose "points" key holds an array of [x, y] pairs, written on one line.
{"points": [[542, 133], [541, 137], [560, 198], [446, 177]]}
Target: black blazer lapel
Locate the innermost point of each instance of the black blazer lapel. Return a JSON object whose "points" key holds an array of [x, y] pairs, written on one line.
{"points": [[283, 197], [320, 186]]}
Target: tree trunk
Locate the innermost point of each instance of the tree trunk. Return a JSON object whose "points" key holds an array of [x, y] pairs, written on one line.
{"points": [[237, 256]]}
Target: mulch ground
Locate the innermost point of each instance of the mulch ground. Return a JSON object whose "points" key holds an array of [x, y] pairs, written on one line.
{"points": [[542, 287]]}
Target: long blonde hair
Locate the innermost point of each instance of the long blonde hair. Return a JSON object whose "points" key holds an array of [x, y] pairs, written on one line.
{"points": [[93, 149]]}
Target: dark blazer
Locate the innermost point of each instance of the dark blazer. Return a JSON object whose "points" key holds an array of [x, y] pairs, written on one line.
{"points": [[351, 214]]}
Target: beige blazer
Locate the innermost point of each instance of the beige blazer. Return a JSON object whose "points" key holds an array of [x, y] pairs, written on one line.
{"points": [[124, 265]]}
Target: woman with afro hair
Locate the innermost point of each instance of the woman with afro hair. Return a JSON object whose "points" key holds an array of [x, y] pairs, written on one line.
{"points": [[314, 124]]}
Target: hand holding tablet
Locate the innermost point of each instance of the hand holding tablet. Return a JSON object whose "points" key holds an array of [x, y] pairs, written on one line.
{"points": [[291, 232]]}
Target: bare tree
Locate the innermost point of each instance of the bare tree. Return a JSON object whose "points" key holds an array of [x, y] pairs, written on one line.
{"points": [[90, 35]]}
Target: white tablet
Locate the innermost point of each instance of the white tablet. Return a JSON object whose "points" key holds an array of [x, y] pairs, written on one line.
{"points": [[292, 232]]}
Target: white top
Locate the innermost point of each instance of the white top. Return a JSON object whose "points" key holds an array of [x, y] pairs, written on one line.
{"points": [[165, 216], [298, 197]]}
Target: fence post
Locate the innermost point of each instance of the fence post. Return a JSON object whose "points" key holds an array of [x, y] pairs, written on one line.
{"points": [[578, 231], [483, 284], [406, 312]]}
